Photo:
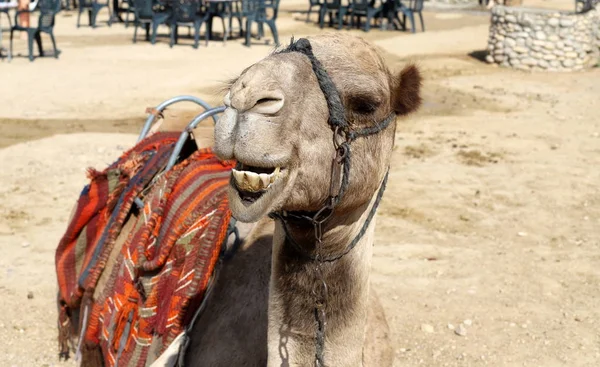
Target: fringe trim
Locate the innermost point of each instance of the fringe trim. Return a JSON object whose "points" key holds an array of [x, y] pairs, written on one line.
{"points": [[64, 332]]}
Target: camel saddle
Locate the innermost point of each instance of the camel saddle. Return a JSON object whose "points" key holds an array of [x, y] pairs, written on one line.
{"points": [[131, 277]]}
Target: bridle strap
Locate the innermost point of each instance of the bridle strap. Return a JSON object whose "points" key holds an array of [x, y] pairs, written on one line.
{"points": [[283, 219], [337, 112], [342, 138], [340, 176]]}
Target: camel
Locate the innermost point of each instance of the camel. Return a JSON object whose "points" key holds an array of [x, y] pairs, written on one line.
{"points": [[277, 127], [261, 310]]}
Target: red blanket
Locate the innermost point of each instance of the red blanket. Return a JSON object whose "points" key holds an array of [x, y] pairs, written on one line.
{"points": [[164, 264]]}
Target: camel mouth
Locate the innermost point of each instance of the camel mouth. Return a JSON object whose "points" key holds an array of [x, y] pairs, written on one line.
{"points": [[252, 182]]}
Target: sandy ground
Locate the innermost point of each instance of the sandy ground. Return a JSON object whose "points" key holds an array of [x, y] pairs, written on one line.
{"points": [[490, 226]]}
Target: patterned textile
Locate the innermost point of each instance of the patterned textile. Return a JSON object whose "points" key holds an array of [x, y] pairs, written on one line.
{"points": [[164, 263], [97, 219]]}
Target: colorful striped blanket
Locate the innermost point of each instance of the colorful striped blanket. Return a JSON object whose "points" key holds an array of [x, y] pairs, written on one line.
{"points": [[154, 262]]}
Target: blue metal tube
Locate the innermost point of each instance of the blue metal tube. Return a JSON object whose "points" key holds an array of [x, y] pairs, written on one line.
{"points": [[188, 130], [161, 107]]}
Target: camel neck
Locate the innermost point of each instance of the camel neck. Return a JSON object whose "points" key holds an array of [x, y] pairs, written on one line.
{"points": [[292, 323]]}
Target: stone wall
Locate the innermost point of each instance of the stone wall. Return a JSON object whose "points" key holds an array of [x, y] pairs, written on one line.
{"points": [[539, 39]]}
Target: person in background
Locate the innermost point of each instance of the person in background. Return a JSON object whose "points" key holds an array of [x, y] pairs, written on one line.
{"points": [[24, 17]]}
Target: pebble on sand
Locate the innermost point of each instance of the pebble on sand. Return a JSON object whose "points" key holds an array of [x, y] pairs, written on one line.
{"points": [[427, 328], [461, 330]]}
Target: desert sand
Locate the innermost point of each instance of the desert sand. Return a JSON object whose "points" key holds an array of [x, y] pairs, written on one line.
{"points": [[488, 237]]}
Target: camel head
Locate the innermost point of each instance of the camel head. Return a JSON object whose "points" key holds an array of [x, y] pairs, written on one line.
{"points": [[276, 126]]}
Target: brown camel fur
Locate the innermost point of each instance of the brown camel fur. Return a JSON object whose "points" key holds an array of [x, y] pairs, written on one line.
{"points": [[262, 310]]}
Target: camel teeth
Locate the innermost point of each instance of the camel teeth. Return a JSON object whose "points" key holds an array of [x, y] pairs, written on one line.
{"points": [[253, 180], [265, 180], [275, 174], [238, 176]]}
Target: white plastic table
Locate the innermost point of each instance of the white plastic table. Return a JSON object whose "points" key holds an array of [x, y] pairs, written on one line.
{"points": [[6, 5]]}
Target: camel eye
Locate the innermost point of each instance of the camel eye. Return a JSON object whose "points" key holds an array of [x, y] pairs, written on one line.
{"points": [[363, 104]]}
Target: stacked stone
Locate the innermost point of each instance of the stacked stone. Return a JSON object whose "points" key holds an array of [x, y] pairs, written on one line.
{"points": [[538, 39]]}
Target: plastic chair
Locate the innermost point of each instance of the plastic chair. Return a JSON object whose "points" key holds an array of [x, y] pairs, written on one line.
{"points": [[311, 4], [241, 10], [266, 12], [48, 10], [330, 7], [363, 8], [414, 6], [222, 9], [188, 13], [5, 11], [93, 7], [146, 15], [5, 6], [124, 6], [69, 4], [252, 11]]}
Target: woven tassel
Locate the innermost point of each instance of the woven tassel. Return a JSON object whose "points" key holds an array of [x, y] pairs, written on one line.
{"points": [[92, 173], [64, 332]]}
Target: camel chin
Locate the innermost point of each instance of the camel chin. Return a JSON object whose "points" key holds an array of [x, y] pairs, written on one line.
{"points": [[255, 192]]}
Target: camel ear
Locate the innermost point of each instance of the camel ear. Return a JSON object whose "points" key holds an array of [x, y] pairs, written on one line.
{"points": [[406, 97]]}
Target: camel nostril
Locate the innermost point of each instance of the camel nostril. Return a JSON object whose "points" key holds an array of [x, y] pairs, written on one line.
{"points": [[268, 105], [267, 100]]}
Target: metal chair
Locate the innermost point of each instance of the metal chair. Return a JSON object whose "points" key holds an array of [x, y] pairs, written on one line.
{"points": [[48, 10]]}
